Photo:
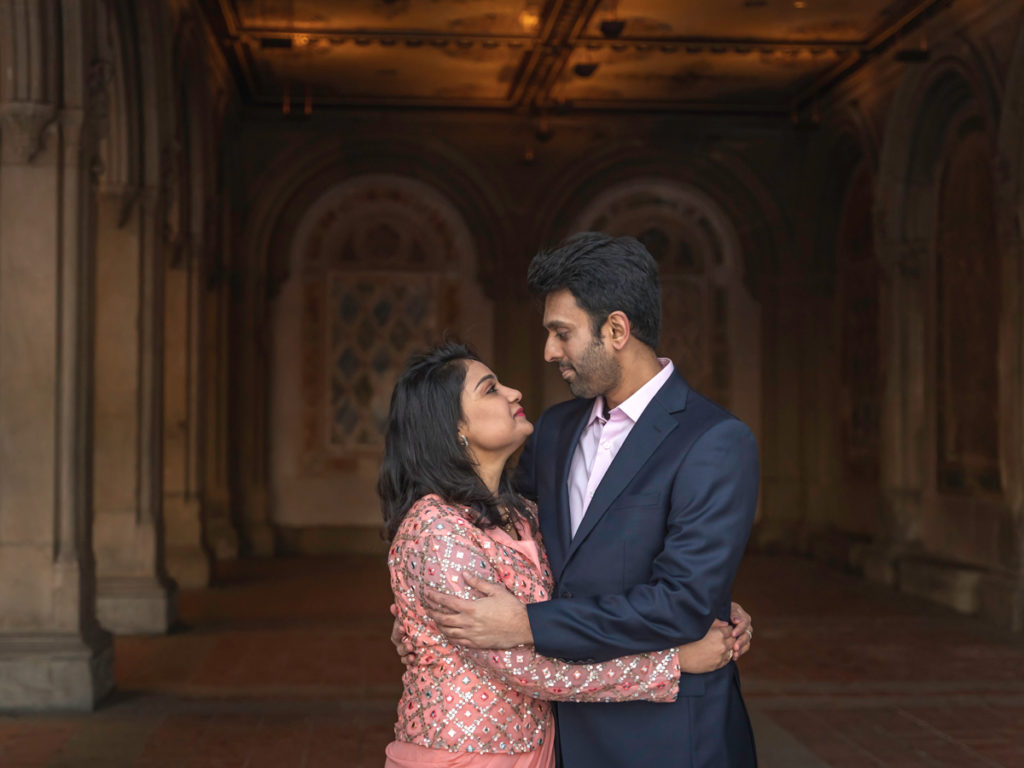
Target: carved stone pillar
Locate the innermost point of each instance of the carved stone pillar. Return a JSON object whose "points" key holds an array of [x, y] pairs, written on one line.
{"points": [[781, 526], [134, 594], [52, 652], [251, 418], [904, 438], [220, 536], [188, 563]]}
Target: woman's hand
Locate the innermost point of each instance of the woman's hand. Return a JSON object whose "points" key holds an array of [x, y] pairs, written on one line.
{"points": [[400, 641], [711, 652]]}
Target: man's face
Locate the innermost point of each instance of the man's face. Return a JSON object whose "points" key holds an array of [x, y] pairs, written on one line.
{"points": [[585, 361]]}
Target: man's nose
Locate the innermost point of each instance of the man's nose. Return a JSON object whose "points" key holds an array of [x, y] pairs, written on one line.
{"points": [[551, 351]]}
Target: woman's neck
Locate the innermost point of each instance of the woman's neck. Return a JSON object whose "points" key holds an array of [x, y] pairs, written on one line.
{"points": [[491, 476]]}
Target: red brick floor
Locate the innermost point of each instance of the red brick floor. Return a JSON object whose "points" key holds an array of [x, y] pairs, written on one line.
{"points": [[287, 663]]}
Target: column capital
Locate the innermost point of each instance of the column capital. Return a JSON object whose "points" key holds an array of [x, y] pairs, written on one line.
{"points": [[23, 126]]}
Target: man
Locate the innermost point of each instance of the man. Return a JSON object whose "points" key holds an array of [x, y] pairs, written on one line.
{"points": [[646, 492]]}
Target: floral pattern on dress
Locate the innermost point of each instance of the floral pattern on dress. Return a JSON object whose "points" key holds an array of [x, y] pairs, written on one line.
{"points": [[466, 700]]}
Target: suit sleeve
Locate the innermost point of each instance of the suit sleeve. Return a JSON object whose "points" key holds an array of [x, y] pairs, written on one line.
{"points": [[713, 500]]}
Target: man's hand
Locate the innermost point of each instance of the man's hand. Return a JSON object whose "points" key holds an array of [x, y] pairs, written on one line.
{"points": [[399, 640], [496, 620], [742, 631]]}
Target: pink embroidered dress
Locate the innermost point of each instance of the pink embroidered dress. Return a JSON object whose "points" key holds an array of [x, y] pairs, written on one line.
{"points": [[463, 707]]}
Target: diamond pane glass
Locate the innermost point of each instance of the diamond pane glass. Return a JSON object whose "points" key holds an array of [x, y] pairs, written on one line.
{"points": [[378, 321]]}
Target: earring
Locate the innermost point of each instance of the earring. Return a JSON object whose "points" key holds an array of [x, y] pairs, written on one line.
{"points": [[463, 440]]}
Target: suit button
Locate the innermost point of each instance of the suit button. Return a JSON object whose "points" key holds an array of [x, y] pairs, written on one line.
{"points": [[565, 593]]}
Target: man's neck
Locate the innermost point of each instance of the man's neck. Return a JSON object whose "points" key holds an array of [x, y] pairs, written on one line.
{"points": [[637, 370]]}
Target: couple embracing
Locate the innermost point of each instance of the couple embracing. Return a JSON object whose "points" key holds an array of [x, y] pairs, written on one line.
{"points": [[578, 612]]}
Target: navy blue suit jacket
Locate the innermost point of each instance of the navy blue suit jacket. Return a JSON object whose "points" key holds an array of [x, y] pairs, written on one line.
{"points": [[650, 567]]}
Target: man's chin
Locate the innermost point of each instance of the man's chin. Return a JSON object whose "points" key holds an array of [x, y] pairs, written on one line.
{"points": [[579, 391]]}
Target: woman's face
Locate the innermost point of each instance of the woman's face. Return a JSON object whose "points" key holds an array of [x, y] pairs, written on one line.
{"points": [[492, 420]]}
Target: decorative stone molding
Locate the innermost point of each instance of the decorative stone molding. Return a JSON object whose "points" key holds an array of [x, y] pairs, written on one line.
{"points": [[173, 208], [98, 80], [24, 126]]}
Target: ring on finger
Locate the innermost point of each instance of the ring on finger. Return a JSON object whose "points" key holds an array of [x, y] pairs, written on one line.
{"points": [[750, 633]]}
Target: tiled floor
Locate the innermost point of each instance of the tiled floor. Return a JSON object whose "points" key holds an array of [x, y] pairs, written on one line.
{"points": [[287, 663]]}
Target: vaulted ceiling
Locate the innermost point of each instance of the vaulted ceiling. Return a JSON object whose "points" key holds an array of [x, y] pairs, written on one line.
{"points": [[762, 56]]}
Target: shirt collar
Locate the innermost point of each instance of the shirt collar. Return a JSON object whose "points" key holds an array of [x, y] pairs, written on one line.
{"points": [[633, 406]]}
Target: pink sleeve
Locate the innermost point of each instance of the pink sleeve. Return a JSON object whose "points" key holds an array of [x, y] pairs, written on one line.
{"points": [[447, 549]]}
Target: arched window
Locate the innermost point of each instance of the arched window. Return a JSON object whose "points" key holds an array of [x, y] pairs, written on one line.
{"points": [[710, 324], [381, 266]]}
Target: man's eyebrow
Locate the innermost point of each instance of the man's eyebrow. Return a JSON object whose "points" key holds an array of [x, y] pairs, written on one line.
{"points": [[556, 324], [485, 378]]}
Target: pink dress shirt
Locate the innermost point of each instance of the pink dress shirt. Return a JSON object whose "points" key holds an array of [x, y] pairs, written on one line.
{"points": [[601, 439], [456, 700]]}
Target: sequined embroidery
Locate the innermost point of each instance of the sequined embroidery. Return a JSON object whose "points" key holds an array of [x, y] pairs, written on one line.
{"points": [[491, 701]]}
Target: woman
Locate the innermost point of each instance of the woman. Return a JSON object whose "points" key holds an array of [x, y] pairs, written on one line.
{"points": [[450, 511]]}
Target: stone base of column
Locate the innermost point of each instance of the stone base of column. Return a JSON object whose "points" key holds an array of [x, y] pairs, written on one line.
{"points": [[260, 538], [257, 531], [777, 536], [127, 606], [221, 537], [185, 559], [1002, 601], [879, 565], [949, 584], [54, 672], [189, 567]]}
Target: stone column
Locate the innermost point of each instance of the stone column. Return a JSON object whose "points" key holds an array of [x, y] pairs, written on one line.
{"points": [[134, 594], [187, 560], [251, 419], [783, 496], [904, 416], [819, 424], [221, 538], [52, 652]]}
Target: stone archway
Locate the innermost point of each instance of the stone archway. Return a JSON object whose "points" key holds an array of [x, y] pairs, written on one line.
{"points": [[1003, 596], [840, 373], [940, 534], [1010, 173], [711, 325], [380, 266]]}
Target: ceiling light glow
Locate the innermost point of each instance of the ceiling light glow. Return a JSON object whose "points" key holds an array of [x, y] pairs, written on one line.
{"points": [[529, 20]]}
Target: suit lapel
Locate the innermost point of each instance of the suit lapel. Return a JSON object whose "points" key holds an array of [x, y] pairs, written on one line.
{"points": [[654, 425], [566, 440]]}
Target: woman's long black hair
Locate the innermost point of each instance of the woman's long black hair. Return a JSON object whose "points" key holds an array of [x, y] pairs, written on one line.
{"points": [[422, 450]]}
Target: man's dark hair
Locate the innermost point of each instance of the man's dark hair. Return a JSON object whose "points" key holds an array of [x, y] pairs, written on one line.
{"points": [[604, 274], [422, 451]]}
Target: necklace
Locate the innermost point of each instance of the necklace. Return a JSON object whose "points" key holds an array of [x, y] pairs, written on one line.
{"points": [[507, 525]]}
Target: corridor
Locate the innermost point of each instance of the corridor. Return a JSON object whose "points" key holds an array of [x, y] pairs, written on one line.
{"points": [[287, 663]]}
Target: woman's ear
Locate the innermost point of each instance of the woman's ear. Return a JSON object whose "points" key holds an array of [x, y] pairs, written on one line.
{"points": [[619, 329]]}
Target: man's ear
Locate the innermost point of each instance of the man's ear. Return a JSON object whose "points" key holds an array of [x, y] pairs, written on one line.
{"points": [[618, 329]]}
